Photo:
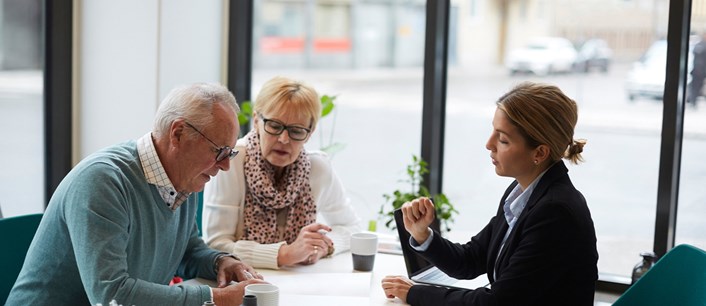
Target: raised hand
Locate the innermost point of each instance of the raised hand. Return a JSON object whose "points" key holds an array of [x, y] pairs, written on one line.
{"points": [[418, 215]]}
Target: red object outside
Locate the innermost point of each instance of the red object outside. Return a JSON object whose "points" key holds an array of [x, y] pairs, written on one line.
{"points": [[282, 45]]}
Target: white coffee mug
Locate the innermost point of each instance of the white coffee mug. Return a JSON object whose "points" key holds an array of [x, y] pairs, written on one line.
{"points": [[267, 294], [364, 246]]}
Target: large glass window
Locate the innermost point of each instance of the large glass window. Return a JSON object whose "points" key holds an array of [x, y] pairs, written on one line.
{"points": [[21, 108], [606, 68], [369, 54], [692, 198]]}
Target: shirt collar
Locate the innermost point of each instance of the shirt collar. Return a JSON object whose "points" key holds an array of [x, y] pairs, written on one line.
{"points": [[517, 200], [156, 175]]}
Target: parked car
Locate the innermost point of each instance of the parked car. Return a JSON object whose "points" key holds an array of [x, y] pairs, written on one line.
{"points": [[593, 54], [542, 56], [647, 76]]}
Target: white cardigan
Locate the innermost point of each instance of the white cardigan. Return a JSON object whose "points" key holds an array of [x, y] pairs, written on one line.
{"points": [[224, 197]]}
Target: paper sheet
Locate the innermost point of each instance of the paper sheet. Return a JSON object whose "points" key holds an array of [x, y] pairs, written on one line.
{"points": [[324, 284]]}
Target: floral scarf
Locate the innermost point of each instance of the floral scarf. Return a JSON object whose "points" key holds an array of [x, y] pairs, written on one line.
{"points": [[263, 199]]}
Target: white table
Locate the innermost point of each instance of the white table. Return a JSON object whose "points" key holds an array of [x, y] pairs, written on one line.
{"points": [[332, 281]]}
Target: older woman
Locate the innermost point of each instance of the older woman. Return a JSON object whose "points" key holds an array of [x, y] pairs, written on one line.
{"points": [[540, 248], [265, 209]]}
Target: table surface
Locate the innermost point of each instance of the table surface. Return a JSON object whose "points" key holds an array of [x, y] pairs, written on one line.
{"points": [[332, 281]]}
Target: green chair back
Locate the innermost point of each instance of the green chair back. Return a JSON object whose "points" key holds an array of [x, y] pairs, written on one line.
{"points": [[678, 278], [16, 234], [199, 211]]}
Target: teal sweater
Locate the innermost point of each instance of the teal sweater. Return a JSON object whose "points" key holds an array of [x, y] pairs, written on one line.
{"points": [[107, 234]]}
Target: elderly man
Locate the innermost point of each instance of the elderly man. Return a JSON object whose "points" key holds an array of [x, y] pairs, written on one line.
{"points": [[122, 222]]}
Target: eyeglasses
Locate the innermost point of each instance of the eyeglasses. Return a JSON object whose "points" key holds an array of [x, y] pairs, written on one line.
{"points": [[221, 152], [274, 127]]}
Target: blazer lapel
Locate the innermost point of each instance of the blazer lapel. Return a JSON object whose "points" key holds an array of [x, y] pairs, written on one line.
{"points": [[499, 230], [555, 172]]}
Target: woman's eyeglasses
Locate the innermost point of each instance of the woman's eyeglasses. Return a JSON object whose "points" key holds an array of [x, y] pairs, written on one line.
{"points": [[274, 127], [221, 152]]}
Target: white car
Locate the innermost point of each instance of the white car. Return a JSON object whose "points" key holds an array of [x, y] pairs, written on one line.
{"points": [[647, 76], [542, 56]]}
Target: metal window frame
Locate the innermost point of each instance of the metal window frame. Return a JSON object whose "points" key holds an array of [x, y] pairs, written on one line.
{"points": [[672, 125], [58, 72], [240, 41], [434, 97]]}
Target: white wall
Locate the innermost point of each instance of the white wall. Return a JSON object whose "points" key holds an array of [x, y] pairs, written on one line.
{"points": [[131, 53]]}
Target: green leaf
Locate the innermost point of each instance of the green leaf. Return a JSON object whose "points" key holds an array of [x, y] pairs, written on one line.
{"points": [[327, 105], [243, 119], [245, 113], [246, 107]]}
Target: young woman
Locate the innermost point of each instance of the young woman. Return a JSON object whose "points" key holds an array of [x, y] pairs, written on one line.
{"points": [[540, 247]]}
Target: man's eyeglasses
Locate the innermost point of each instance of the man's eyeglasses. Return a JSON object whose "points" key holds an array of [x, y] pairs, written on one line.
{"points": [[221, 152], [274, 127]]}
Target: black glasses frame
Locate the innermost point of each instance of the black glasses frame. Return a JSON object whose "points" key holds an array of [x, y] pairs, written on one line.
{"points": [[285, 127], [221, 152]]}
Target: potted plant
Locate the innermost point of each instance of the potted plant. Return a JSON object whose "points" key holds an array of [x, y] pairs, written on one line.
{"points": [[445, 211]]}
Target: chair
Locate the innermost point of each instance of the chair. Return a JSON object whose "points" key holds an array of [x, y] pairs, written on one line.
{"points": [[678, 278], [199, 211], [16, 234]]}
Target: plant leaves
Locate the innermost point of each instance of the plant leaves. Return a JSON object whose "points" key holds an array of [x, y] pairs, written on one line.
{"points": [[245, 113], [415, 171], [327, 105]]}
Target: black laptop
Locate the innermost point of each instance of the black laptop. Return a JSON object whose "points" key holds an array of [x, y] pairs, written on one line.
{"points": [[422, 271]]}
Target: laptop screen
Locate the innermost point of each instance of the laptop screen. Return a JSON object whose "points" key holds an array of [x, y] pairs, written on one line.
{"points": [[414, 262]]}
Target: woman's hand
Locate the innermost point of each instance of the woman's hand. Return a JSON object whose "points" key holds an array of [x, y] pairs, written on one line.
{"points": [[310, 246], [418, 215], [396, 286]]}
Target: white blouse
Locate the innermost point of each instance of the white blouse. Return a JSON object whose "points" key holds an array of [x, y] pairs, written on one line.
{"points": [[224, 197]]}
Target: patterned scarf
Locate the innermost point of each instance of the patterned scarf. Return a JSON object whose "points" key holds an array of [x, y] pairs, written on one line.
{"points": [[263, 199]]}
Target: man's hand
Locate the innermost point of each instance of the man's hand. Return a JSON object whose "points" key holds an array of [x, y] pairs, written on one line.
{"points": [[233, 295], [230, 269]]}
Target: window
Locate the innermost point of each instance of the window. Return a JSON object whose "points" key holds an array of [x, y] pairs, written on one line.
{"points": [[21, 108], [692, 198], [620, 175]]}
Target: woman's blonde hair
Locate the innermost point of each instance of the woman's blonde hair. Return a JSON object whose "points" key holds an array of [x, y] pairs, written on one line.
{"points": [[544, 115], [281, 94]]}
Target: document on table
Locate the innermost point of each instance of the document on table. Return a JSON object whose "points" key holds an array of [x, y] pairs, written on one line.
{"points": [[352, 285], [323, 284]]}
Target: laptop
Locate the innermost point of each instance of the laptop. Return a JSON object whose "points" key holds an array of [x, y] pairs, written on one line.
{"points": [[422, 271]]}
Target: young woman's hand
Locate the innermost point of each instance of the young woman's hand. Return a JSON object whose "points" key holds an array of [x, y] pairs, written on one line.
{"points": [[396, 286], [418, 215]]}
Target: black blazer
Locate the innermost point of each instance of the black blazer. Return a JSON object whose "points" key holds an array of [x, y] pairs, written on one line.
{"points": [[550, 257]]}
